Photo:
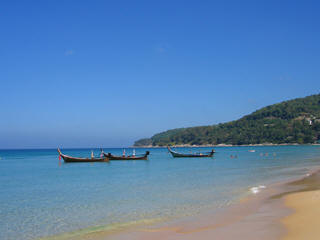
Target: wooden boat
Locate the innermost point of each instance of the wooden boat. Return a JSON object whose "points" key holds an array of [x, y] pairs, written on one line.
{"points": [[181, 155], [69, 159], [133, 157]]}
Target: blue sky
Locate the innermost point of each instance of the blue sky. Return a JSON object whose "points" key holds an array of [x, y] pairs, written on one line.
{"points": [[106, 73]]}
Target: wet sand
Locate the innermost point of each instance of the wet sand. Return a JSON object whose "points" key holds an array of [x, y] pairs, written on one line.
{"points": [[250, 220], [257, 217]]}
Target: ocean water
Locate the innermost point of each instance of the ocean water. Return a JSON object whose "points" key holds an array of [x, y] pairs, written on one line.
{"points": [[41, 197]]}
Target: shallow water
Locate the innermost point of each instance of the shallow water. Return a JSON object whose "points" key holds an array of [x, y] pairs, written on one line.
{"points": [[41, 197]]}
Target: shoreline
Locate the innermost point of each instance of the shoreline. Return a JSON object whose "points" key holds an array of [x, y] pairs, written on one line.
{"points": [[303, 223], [229, 145], [257, 216], [262, 216]]}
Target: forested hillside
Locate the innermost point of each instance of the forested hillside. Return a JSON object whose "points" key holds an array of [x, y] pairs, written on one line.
{"points": [[294, 121]]}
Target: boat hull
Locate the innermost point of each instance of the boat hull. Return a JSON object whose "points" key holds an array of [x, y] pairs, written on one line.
{"points": [[113, 157], [181, 155], [69, 159]]}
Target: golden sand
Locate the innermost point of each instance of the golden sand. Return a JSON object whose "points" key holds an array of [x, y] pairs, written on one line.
{"points": [[258, 217], [304, 223]]}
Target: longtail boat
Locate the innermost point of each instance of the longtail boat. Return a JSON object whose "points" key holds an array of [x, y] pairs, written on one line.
{"points": [[123, 157], [69, 159], [182, 155]]}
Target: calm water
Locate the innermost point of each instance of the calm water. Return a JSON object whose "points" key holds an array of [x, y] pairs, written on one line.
{"points": [[40, 197]]}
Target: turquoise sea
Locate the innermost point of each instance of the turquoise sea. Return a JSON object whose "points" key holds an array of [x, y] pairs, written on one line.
{"points": [[41, 197]]}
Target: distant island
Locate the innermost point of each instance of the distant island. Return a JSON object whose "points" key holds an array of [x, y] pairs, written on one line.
{"points": [[291, 122]]}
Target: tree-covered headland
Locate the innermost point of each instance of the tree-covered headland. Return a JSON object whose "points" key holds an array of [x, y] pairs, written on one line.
{"points": [[294, 121]]}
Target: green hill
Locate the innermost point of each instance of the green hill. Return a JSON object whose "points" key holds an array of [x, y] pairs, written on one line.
{"points": [[294, 121]]}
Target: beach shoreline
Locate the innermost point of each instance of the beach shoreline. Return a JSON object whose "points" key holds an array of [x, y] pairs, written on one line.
{"points": [[272, 214], [303, 223], [259, 216], [228, 145]]}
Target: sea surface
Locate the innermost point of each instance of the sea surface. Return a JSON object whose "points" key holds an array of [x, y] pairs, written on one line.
{"points": [[41, 196]]}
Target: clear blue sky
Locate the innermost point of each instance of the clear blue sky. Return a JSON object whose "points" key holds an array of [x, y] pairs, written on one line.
{"points": [[105, 73]]}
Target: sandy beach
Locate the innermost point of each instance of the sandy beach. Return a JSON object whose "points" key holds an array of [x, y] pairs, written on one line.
{"points": [[304, 222], [285, 211]]}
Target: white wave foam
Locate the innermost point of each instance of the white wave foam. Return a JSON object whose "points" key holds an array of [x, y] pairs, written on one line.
{"points": [[256, 190]]}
